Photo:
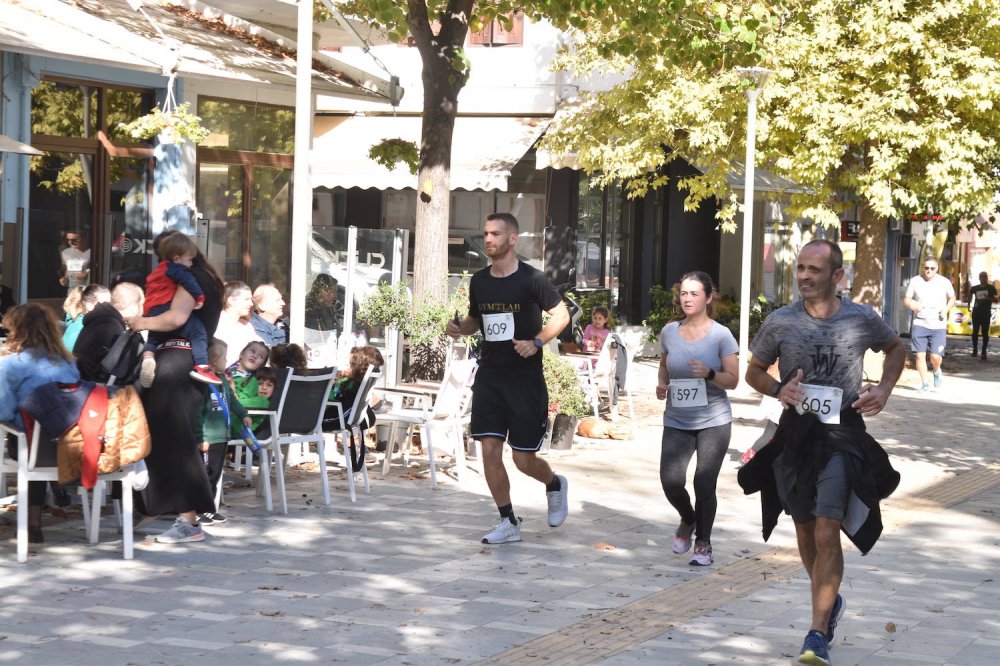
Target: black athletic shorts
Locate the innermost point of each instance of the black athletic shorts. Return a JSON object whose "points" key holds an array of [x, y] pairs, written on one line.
{"points": [[510, 407]]}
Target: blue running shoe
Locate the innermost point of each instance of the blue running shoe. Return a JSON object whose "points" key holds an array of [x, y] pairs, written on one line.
{"points": [[937, 379], [839, 606], [815, 649]]}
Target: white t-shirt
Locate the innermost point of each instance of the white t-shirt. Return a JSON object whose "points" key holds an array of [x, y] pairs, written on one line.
{"points": [[932, 296], [74, 263], [236, 335]]}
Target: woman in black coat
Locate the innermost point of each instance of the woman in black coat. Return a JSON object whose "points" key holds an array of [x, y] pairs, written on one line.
{"points": [[178, 482]]}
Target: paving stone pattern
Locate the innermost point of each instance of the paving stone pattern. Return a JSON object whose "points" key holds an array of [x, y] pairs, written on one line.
{"points": [[400, 577]]}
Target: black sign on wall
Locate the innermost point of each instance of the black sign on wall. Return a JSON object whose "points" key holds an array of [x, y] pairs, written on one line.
{"points": [[849, 230]]}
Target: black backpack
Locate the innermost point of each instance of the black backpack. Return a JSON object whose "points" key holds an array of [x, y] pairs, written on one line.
{"points": [[123, 361]]}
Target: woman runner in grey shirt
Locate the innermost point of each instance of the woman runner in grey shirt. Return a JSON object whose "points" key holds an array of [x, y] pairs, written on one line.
{"points": [[698, 363]]}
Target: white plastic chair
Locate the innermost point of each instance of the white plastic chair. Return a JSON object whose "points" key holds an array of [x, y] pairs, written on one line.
{"points": [[441, 416], [29, 467]]}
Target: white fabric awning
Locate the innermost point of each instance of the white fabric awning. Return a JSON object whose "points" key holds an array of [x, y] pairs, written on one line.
{"points": [[484, 150], [210, 43]]}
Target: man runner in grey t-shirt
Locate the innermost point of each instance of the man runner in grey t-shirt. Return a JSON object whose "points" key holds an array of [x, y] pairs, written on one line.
{"points": [[820, 344]]}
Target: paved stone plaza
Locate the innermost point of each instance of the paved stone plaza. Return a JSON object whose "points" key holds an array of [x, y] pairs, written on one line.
{"points": [[400, 577]]}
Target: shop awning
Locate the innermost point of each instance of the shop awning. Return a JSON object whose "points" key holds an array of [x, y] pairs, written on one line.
{"points": [[210, 44], [484, 150]]}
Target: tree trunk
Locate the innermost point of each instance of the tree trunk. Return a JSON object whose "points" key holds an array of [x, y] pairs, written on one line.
{"points": [[869, 261], [444, 75]]}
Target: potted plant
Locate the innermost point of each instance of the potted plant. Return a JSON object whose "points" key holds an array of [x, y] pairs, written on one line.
{"points": [[171, 124], [422, 323], [567, 402], [390, 152]]}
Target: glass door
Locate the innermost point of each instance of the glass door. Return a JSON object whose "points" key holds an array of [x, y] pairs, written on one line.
{"points": [[130, 233]]}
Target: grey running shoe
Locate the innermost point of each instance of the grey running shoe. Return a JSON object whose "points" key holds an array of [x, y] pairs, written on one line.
{"points": [[182, 532], [504, 532], [937, 379], [558, 502]]}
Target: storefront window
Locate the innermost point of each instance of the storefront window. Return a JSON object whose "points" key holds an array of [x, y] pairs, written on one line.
{"points": [[89, 210], [61, 215], [602, 236], [220, 202], [125, 106], [589, 235], [64, 109], [258, 128], [271, 226]]}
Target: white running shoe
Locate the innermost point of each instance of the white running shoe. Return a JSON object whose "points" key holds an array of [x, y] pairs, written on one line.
{"points": [[147, 372], [558, 502], [504, 532]]}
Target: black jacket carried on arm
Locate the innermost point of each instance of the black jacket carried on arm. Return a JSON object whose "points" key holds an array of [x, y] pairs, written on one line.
{"points": [[806, 444]]}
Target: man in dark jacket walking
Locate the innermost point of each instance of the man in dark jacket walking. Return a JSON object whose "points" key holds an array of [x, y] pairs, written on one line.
{"points": [[824, 458]]}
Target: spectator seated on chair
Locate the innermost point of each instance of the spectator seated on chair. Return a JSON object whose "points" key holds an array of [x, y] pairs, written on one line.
{"points": [[36, 357]]}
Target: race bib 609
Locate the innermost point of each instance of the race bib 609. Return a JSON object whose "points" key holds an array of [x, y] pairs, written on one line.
{"points": [[498, 327]]}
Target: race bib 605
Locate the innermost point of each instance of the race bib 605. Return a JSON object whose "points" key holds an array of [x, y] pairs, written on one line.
{"points": [[823, 401]]}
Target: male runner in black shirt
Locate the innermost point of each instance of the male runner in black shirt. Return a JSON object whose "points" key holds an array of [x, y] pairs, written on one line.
{"points": [[510, 401]]}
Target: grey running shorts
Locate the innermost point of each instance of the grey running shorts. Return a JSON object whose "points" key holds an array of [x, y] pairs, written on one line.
{"points": [[832, 491]]}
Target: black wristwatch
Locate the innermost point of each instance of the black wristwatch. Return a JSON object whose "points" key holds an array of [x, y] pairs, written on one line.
{"points": [[776, 389], [538, 343], [711, 374]]}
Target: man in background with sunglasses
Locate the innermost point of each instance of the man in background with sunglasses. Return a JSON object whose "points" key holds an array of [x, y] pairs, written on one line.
{"points": [[930, 297]]}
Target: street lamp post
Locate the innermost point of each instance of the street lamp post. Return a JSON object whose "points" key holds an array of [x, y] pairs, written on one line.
{"points": [[758, 76]]}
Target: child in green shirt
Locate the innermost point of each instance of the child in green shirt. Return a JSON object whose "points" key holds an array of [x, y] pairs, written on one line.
{"points": [[221, 413]]}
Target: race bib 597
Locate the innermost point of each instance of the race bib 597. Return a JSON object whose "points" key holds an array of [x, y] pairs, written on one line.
{"points": [[688, 393]]}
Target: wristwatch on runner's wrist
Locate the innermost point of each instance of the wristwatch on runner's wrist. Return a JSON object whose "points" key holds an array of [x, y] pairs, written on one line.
{"points": [[538, 343]]}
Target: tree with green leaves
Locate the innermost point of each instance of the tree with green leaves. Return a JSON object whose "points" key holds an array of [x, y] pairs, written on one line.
{"points": [[894, 106], [438, 30]]}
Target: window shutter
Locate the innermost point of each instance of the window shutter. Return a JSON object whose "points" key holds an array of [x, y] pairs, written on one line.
{"points": [[515, 35]]}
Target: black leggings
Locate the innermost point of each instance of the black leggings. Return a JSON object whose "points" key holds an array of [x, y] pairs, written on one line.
{"points": [[980, 323], [675, 453]]}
